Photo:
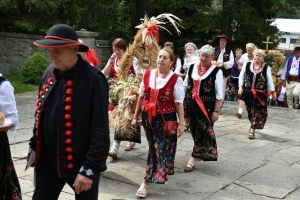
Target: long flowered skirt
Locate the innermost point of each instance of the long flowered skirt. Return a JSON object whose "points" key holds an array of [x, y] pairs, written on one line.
{"points": [[257, 109], [205, 144], [162, 149], [9, 184]]}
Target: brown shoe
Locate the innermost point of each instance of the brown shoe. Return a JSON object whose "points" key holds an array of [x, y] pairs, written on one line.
{"points": [[113, 155], [239, 115], [189, 168]]}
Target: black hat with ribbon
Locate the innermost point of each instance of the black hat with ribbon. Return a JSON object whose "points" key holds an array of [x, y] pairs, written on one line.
{"points": [[61, 35], [224, 36], [296, 49]]}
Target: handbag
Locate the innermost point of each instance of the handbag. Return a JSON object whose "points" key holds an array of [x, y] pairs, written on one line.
{"points": [[170, 127]]}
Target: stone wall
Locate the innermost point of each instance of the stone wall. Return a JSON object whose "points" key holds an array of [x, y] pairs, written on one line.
{"points": [[15, 49]]}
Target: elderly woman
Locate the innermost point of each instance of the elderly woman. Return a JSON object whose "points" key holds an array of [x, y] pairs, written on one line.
{"points": [[246, 57], [190, 58], [255, 81], [203, 86], [161, 99], [9, 184]]}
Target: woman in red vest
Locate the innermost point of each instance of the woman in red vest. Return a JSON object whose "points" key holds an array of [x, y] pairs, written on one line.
{"points": [[110, 71], [161, 98]]}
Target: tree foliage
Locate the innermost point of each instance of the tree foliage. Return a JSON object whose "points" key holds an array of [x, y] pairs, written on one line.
{"points": [[243, 20]]}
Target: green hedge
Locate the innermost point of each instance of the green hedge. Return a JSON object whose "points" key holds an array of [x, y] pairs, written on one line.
{"points": [[33, 68]]}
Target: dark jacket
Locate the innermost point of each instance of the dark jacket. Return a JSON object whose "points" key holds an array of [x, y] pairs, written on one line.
{"points": [[79, 118]]}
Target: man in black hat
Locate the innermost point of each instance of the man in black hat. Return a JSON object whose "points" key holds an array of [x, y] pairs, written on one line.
{"points": [[291, 75], [224, 59], [71, 130]]}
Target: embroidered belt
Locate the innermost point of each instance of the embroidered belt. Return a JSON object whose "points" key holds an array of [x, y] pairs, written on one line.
{"points": [[293, 78]]}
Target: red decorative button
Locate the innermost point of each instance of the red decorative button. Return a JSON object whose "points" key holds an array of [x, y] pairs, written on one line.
{"points": [[69, 83], [68, 99], [45, 87], [42, 93], [70, 157], [70, 166], [68, 116], [69, 91], [68, 132], [68, 124], [37, 107], [68, 141], [38, 101], [68, 108], [50, 79], [69, 149]]}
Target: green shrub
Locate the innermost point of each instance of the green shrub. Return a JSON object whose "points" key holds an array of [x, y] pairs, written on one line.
{"points": [[33, 68]]}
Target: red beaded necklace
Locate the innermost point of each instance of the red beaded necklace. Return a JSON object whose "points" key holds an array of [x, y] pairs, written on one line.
{"points": [[256, 70], [202, 72]]}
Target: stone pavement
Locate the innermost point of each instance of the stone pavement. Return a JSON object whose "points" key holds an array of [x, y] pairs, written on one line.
{"points": [[266, 168]]}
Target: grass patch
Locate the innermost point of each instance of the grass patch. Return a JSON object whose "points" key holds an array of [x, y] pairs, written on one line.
{"points": [[19, 86]]}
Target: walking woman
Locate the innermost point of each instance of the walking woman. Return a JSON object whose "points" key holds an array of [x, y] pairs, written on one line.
{"points": [[161, 99], [255, 81], [204, 93], [9, 183]]}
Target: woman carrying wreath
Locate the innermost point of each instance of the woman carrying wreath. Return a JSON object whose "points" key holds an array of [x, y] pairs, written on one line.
{"points": [[161, 96], [255, 81], [204, 92]]}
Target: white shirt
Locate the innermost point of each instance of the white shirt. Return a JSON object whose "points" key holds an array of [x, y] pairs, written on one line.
{"points": [[178, 92], [189, 60], [218, 81], [134, 63], [294, 68], [245, 59], [177, 66], [270, 84], [229, 64], [281, 96], [8, 103]]}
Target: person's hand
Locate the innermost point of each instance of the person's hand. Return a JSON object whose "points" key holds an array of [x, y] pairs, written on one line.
{"points": [[220, 65], [82, 183], [214, 116], [214, 62], [112, 58], [134, 122], [180, 130]]}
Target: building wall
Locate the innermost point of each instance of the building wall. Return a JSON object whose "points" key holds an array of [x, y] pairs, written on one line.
{"points": [[288, 43], [15, 49]]}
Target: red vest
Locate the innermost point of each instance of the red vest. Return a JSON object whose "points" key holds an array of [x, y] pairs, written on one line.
{"points": [[113, 72], [165, 95]]}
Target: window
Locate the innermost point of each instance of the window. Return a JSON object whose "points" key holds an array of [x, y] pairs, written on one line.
{"points": [[282, 40], [293, 40]]}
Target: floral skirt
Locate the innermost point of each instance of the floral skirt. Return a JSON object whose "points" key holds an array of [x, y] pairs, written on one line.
{"points": [[257, 109], [162, 149], [205, 144], [9, 184]]}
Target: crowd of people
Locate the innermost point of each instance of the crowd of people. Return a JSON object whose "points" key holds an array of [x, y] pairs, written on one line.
{"points": [[71, 140]]}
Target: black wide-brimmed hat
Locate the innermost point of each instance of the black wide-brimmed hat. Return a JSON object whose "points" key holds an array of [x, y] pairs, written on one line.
{"points": [[224, 36], [296, 49], [61, 35]]}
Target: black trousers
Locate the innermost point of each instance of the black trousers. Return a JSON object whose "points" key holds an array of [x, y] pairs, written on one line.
{"points": [[49, 185]]}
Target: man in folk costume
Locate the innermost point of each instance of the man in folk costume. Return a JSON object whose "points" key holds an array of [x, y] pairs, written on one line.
{"points": [[224, 59], [291, 75], [71, 131]]}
